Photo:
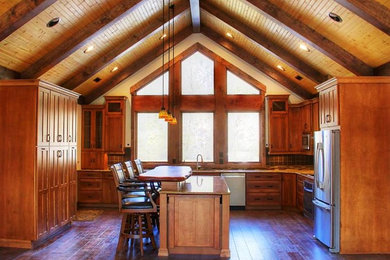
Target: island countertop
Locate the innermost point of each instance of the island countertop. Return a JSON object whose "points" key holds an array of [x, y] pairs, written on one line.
{"points": [[200, 185]]}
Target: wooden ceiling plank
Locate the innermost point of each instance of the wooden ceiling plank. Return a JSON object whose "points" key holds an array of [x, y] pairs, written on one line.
{"points": [[315, 39], [195, 15], [134, 67], [370, 11], [258, 64], [271, 47], [20, 14], [80, 38], [118, 51]]}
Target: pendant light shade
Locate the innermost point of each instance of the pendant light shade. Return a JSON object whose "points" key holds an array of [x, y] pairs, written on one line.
{"points": [[163, 113]]}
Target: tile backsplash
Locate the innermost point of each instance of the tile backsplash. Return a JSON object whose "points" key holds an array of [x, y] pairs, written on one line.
{"points": [[290, 159]]}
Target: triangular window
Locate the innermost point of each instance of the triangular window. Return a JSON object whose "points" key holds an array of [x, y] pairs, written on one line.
{"points": [[238, 86]]}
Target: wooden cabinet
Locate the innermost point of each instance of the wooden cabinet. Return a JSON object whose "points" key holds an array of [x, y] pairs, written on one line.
{"points": [[295, 129], [288, 190], [96, 188], [278, 123], [92, 153], [328, 110], [36, 168], [315, 115], [115, 112], [263, 191]]}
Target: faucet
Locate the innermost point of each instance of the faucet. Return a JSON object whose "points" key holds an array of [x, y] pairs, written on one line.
{"points": [[197, 160]]}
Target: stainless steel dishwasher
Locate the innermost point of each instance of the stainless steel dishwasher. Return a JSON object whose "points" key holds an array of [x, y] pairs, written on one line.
{"points": [[236, 184]]}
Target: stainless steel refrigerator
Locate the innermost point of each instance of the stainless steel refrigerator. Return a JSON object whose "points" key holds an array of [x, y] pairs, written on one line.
{"points": [[326, 200]]}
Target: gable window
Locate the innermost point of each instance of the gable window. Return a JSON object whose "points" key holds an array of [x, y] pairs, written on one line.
{"points": [[197, 75], [219, 110]]}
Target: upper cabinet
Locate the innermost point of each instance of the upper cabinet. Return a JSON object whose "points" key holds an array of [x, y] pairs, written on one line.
{"points": [[278, 123], [328, 110], [289, 124], [115, 111], [92, 125]]}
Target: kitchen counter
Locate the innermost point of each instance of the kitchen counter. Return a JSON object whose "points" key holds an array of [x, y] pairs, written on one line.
{"points": [[306, 170]]}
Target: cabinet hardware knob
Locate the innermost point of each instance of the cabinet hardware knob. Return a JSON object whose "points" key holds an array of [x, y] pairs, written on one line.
{"points": [[59, 153], [48, 138], [328, 118], [59, 138], [69, 138]]}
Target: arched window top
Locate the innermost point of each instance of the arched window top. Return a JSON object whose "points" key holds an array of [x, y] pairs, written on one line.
{"points": [[197, 75], [238, 86], [155, 86]]}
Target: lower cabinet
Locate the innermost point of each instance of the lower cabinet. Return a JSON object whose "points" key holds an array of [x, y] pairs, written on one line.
{"points": [[288, 190], [263, 191], [96, 188]]}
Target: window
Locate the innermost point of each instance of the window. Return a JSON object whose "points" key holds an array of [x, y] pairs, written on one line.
{"points": [[238, 86], [197, 75], [198, 132], [154, 87], [243, 137], [152, 138]]}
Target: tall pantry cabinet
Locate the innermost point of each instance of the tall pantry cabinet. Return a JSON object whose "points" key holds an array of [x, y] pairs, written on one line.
{"points": [[38, 181]]}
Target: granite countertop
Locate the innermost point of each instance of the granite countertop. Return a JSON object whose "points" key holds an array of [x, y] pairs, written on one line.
{"points": [[299, 169]]}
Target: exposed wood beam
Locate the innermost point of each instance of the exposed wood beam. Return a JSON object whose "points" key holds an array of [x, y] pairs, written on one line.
{"points": [[195, 15], [272, 48], [383, 70], [121, 49], [80, 38], [371, 11], [312, 37], [8, 74], [134, 67], [20, 14], [258, 64]]}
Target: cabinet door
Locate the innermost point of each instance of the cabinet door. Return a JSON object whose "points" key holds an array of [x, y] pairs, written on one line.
{"points": [[328, 100], [289, 190], [114, 134], [72, 169], [59, 128], [109, 191], [43, 172], [201, 221], [315, 116], [44, 117], [72, 121], [295, 129], [306, 112], [278, 134]]}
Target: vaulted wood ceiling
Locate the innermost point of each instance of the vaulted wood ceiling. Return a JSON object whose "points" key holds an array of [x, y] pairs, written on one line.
{"points": [[126, 34]]}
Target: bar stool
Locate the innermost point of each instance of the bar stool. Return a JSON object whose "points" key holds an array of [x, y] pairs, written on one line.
{"points": [[136, 205]]}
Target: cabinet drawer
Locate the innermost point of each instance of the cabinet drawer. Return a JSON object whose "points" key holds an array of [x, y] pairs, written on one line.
{"points": [[83, 174], [90, 184], [263, 186], [90, 196], [263, 199], [263, 176], [300, 187]]}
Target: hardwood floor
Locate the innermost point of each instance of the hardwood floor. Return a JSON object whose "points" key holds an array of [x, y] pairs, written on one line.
{"points": [[253, 235]]}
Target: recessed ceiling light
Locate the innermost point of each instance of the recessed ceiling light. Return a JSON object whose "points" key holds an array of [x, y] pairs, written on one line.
{"points": [[298, 77], [97, 79], [89, 49], [114, 69], [163, 36], [53, 22], [228, 34], [281, 68], [335, 17], [304, 47]]}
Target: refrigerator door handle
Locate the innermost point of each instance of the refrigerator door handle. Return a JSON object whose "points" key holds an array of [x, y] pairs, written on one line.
{"points": [[322, 205], [321, 167]]}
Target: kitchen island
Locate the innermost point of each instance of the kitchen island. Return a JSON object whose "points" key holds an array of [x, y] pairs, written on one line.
{"points": [[194, 217]]}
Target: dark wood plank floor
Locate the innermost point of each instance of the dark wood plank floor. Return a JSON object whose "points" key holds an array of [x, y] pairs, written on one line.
{"points": [[253, 235]]}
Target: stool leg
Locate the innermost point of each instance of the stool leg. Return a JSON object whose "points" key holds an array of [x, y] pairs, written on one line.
{"points": [[141, 242], [133, 220], [150, 230], [121, 233]]}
